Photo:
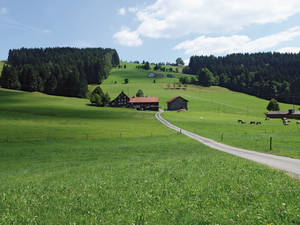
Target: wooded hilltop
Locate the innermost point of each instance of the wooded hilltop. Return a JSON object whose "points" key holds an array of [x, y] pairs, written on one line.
{"points": [[58, 71], [265, 75]]}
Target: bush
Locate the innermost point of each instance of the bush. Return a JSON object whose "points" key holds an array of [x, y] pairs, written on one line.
{"points": [[98, 98], [273, 105], [139, 93]]}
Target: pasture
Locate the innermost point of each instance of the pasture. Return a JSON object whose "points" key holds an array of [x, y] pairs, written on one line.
{"points": [[219, 109], [65, 162]]}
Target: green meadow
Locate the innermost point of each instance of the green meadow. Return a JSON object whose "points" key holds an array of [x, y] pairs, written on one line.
{"points": [[65, 162], [213, 112]]}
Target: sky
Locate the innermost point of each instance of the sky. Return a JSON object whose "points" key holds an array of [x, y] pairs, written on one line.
{"points": [[153, 30]]}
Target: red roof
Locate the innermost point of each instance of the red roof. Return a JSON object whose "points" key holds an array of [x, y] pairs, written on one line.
{"points": [[173, 99], [143, 100]]}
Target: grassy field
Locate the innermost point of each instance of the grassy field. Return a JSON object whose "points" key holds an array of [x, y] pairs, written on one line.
{"points": [[65, 162], [51, 173], [213, 112]]}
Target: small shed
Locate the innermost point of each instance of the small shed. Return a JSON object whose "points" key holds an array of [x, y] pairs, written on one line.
{"points": [[144, 103], [121, 101], [177, 103]]}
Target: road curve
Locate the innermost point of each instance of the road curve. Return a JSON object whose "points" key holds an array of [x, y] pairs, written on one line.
{"points": [[279, 162]]}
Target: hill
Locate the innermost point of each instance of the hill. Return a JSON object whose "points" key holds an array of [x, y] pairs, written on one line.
{"points": [[57, 71], [62, 161], [219, 107], [266, 75]]}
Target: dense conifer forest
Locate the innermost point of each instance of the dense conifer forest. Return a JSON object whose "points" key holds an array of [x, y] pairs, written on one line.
{"points": [[266, 75], [57, 71]]}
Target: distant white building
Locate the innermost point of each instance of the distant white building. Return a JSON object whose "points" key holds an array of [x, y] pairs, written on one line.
{"points": [[150, 75], [158, 75]]}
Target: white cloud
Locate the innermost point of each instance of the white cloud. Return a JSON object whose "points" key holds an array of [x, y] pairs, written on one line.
{"points": [[165, 18], [122, 11], [289, 50], [3, 11], [128, 38], [132, 9], [235, 44], [186, 62]]}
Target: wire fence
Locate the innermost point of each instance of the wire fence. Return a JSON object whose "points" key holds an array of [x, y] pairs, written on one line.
{"points": [[84, 136]]}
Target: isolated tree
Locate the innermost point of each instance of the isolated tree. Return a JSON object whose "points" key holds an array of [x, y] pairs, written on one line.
{"points": [[139, 93], [179, 61], [273, 105]]}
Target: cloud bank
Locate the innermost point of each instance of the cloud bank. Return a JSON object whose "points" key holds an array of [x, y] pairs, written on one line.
{"points": [[237, 43], [179, 18]]}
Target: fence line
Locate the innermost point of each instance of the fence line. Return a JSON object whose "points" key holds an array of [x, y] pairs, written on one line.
{"points": [[84, 136]]}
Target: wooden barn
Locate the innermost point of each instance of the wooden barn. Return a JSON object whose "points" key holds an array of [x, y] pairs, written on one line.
{"points": [[291, 114], [177, 103], [144, 103], [121, 101]]}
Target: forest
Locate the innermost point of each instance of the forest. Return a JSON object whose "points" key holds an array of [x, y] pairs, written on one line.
{"points": [[57, 71], [265, 75]]}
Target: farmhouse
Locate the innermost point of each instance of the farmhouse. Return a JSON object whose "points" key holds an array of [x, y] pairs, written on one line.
{"points": [[291, 114], [177, 103], [144, 103], [121, 101]]}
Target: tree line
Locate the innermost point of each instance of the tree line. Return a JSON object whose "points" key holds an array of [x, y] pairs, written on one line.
{"points": [[57, 71], [265, 75]]}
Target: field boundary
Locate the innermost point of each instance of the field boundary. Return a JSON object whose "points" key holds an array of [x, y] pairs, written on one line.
{"points": [[278, 162]]}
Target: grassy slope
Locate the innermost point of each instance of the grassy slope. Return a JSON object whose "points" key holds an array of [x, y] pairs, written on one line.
{"points": [[148, 175], [220, 109]]}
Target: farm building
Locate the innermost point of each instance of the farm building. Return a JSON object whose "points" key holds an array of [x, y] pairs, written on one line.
{"points": [[144, 103], [177, 103], [291, 114], [121, 101]]}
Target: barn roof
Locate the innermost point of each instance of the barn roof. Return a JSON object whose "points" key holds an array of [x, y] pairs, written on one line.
{"points": [[173, 99], [143, 100]]}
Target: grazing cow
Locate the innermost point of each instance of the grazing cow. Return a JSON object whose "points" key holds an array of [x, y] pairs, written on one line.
{"points": [[267, 118], [288, 121], [239, 121], [243, 122], [258, 123], [297, 122], [252, 122]]}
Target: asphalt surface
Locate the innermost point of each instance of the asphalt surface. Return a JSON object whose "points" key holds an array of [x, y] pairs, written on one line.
{"points": [[279, 162]]}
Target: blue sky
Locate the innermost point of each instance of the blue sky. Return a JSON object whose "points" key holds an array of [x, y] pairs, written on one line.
{"points": [[154, 30]]}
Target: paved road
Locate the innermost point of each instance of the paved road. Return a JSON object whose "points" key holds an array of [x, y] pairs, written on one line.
{"points": [[279, 162]]}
